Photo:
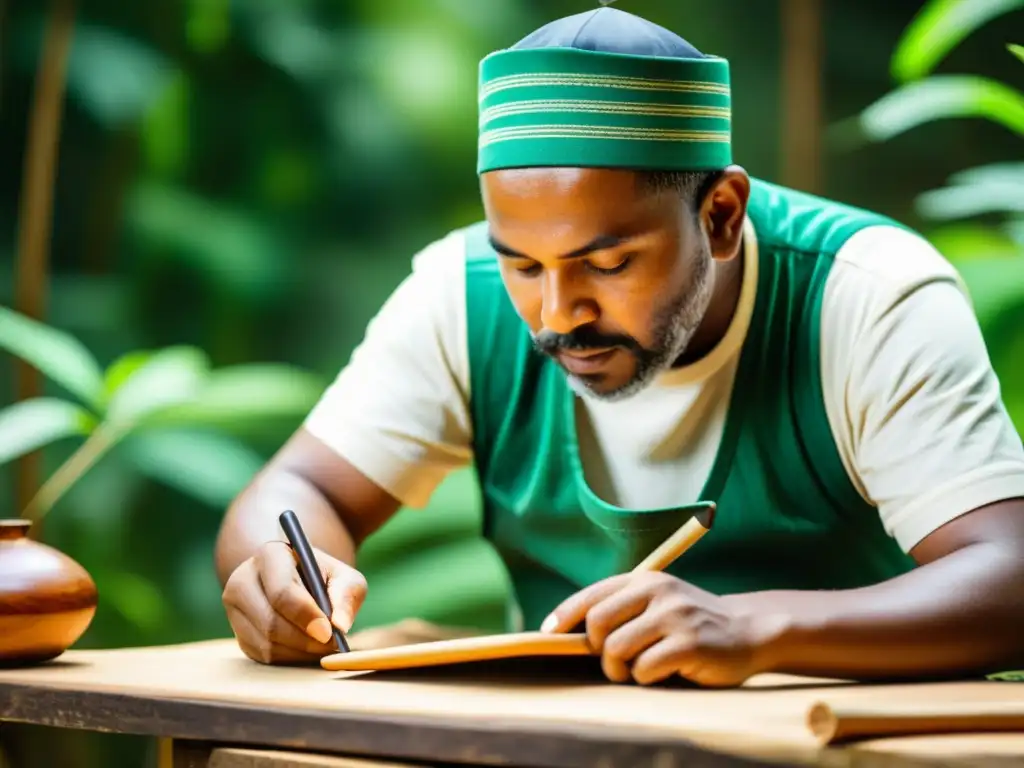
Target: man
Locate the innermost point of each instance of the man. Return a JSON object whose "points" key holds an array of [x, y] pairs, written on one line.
{"points": [[638, 327]]}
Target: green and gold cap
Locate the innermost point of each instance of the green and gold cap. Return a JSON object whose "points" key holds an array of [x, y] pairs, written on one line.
{"points": [[604, 89]]}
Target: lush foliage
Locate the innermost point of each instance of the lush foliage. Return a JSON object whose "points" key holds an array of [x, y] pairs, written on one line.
{"points": [[977, 218], [164, 403]]}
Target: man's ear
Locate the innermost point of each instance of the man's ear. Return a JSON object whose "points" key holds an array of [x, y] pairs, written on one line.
{"points": [[724, 210]]}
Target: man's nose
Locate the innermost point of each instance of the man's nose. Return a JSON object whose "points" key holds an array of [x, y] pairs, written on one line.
{"points": [[564, 308]]}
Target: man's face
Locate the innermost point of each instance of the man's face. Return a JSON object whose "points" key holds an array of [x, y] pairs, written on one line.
{"points": [[612, 279]]}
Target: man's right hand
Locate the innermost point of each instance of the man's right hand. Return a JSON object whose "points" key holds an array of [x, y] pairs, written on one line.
{"points": [[275, 619]]}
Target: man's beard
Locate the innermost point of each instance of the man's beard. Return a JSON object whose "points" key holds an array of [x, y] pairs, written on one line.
{"points": [[674, 326]]}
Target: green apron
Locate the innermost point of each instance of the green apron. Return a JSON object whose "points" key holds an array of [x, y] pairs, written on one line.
{"points": [[788, 516]]}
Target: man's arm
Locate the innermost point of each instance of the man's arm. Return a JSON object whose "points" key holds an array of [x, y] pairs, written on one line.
{"points": [[918, 416], [387, 431], [337, 505], [961, 612]]}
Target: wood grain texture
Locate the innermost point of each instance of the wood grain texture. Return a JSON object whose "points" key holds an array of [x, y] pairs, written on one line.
{"points": [[47, 600], [558, 713], [271, 758]]}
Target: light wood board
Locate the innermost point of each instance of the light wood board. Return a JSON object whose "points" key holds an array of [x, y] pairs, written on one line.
{"points": [[767, 717]]}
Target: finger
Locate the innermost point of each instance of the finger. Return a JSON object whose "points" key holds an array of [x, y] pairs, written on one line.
{"points": [[263, 623], [262, 648], [574, 609], [247, 599], [346, 588], [627, 641], [280, 582], [673, 654], [615, 610]]}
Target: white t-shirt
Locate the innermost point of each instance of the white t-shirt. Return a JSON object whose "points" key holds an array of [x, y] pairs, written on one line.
{"points": [[910, 394]]}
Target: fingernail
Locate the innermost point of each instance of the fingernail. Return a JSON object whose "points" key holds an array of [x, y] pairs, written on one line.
{"points": [[320, 630], [549, 624]]}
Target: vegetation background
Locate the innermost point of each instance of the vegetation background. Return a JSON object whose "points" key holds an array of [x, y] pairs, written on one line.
{"points": [[238, 184]]}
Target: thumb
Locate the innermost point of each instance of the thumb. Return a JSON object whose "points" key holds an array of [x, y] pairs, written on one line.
{"points": [[346, 588]]}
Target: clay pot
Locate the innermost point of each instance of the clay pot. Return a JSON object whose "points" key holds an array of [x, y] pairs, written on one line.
{"points": [[47, 600]]}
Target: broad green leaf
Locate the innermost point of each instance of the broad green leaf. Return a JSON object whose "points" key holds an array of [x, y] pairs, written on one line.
{"points": [[963, 241], [995, 285], [115, 77], [460, 578], [56, 354], [453, 514], [990, 172], [938, 28], [208, 467], [1016, 50], [165, 132], [139, 601], [233, 248], [168, 378], [943, 97], [965, 200], [119, 371], [1014, 676], [33, 424], [1014, 228], [208, 25], [243, 393]]}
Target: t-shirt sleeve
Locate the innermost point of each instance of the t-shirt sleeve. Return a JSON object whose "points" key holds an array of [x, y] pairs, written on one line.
{"points": [[398, 410], [910, 391]]}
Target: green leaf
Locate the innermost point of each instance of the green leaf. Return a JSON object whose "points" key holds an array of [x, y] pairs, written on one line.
{"points": [[1014, 676], [965, 200], [139, 601], [994, 288], [1014, 229], [236, 395], [960, 242], [943, 97], [56, 354], [208, 467], [937, 29], [232, 248], [459, 578], [168, 378], [115, 77], [32, 424], [119, 371], [1016, 50]]}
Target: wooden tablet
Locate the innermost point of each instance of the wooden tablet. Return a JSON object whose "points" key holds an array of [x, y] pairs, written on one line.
{"points": [[515, 645], [459, 651]]}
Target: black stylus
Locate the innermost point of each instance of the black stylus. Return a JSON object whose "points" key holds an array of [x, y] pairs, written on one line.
{"points": [[310, 572]]}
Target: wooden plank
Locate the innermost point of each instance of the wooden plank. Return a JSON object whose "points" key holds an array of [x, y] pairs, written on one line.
{"points": [[418, 738], [233, 757], [552, 715]]}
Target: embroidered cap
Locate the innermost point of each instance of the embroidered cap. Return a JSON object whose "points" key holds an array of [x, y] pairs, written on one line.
{"points": [[604, 89]]}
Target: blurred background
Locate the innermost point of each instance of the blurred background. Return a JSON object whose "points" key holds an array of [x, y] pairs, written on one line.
{"points": [[215, 196]]}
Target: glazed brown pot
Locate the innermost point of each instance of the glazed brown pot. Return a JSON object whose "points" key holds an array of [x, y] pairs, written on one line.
{"points": [[47, 600]]}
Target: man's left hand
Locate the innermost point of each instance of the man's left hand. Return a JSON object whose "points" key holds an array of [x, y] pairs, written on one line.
{"points": [[650, 626]]}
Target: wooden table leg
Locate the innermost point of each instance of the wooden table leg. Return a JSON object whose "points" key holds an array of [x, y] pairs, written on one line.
{"points": [[174, 753]]}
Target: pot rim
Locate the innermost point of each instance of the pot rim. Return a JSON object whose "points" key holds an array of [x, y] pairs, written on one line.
{"points": [[14, 529]]}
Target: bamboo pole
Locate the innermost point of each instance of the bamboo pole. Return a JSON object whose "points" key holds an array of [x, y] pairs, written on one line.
{"points": [[801, 159], [36, 214]]}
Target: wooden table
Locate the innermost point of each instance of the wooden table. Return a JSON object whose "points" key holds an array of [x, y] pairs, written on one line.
{"points": [[217, 709]]}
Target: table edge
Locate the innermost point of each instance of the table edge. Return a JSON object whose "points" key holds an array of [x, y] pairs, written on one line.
{"points": [[509, 741]]}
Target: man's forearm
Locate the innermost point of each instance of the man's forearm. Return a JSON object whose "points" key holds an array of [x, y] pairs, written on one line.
{"points": [[963, 613], [252, 520]]}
